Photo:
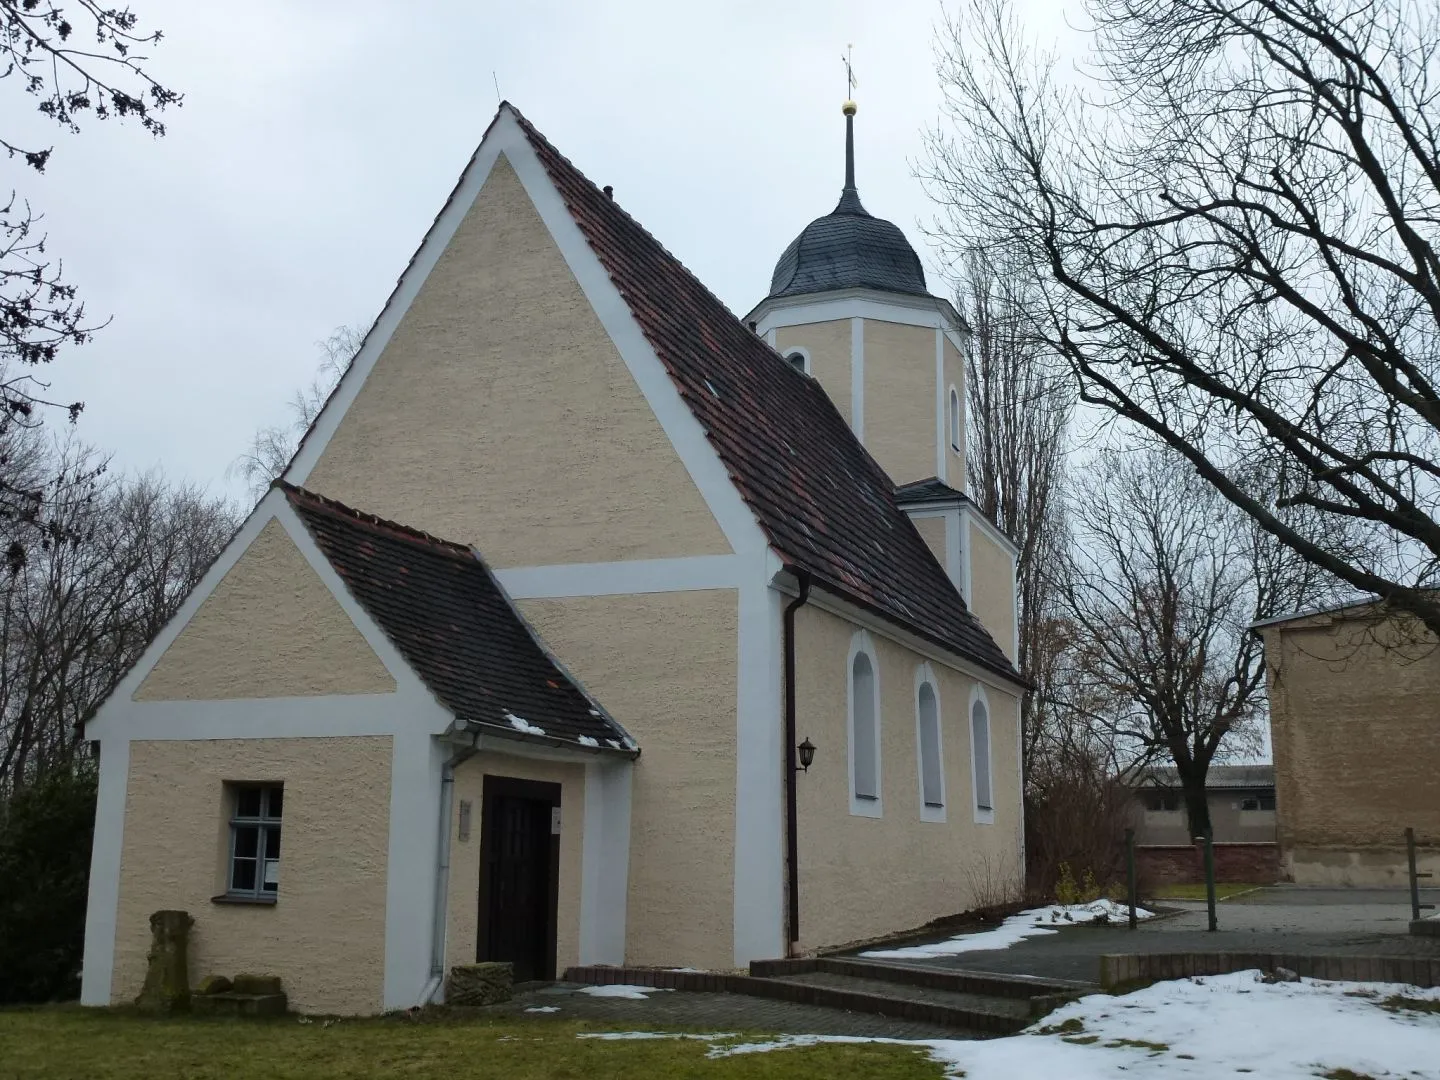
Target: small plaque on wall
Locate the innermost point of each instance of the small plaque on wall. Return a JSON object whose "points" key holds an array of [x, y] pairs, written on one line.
{"points": [[464, 820], [555, 821]]}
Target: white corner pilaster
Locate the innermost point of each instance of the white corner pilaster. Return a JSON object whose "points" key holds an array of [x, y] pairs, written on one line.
{"points": [[857, 377], [104, 897], [415, 766], [605, 862]]}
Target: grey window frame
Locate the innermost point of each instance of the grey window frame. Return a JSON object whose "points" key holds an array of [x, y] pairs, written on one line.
{"points": [[262, 823]]}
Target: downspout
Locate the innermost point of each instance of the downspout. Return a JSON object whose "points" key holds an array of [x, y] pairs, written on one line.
{"points": [[792, 840], [442, 874]]}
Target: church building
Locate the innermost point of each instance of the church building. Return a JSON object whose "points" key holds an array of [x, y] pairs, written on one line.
{"points": [[590, 624]]}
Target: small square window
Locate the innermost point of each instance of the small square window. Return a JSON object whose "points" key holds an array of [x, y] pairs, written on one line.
{"points": [[254, 871]]}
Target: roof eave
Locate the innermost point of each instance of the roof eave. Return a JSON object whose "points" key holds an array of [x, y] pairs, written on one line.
{"points": [[476, 729]]}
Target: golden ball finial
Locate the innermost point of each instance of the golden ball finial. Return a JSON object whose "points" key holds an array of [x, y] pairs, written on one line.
{"points": [[849, 108]]}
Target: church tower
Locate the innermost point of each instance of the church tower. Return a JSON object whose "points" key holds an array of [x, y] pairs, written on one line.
{"points": [[848, 305]]}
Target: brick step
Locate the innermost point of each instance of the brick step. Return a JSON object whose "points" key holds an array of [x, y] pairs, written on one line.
{"points": [[970, 1012], [990, 984]]}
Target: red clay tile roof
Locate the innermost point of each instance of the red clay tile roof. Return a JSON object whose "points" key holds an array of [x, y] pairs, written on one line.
{"points": [[441, 607], [824, 504]]}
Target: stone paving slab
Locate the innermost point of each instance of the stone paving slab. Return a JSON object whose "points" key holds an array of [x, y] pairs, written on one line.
{"points": [[665, 1009]]}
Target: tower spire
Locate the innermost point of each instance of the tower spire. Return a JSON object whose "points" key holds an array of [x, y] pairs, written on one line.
{"points": [[849, 197]]}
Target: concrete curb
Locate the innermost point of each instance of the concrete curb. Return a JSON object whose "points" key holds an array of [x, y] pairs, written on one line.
{"points": [[1119, 969]]}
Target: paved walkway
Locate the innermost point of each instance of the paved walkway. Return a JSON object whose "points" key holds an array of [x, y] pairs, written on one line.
{"points": [[665, 1009], [1295, 919]]}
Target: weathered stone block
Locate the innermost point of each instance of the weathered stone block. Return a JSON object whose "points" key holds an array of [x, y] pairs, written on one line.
{"points": [[479, 984], [257, 984], [167, 972], [214, 984]]}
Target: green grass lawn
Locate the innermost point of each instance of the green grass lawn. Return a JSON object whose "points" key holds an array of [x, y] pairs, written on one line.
{"points": [[96, 1044], [1197, 892]]}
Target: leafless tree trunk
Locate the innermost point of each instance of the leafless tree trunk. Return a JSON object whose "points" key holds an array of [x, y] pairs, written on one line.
{"points": [[1019, 400], [1162, 581], [1233, 209]]}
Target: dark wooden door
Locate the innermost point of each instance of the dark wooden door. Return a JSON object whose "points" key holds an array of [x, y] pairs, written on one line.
{"points": [[517, 883]]}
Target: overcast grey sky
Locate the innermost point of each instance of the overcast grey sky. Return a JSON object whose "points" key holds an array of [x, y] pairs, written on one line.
{"points": [[318, 138]]}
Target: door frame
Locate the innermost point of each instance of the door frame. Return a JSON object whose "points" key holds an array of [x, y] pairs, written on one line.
{"points": [[493, 787]]}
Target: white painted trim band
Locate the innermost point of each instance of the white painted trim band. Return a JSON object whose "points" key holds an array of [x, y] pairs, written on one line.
{"points": [[614, 578]]}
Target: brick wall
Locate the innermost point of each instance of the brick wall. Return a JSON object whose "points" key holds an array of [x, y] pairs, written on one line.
{"points": [[1185, 865]]}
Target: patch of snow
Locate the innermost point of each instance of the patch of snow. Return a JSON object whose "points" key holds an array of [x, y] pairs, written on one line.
{"points": [[613, 743], [522, 725], [1196, 1029], [697, 971], [595, 713], [1033, 923], [586, 740], [624, 990], [543, 1008]]}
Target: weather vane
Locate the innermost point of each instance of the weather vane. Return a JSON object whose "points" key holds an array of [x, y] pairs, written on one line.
{"points": [[850, 80]]}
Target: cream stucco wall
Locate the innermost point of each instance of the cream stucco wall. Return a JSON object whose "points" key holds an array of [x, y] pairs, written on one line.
{"points": [[828, 344], [900, 399], [992, 588], [325, 935], [954, 365], [270, 629], [861, 877], [463, 896], [932, 531], [1356, 747], [501, 414], [664, 664]]}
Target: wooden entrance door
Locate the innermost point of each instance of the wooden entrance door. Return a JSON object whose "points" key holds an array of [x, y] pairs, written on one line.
{"points": [[519, 871]]}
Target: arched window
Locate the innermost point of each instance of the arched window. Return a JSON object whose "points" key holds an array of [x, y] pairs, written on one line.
{"points": [[955, 424], [980, 756], [928, 748], [864, 700], [799, 359]]}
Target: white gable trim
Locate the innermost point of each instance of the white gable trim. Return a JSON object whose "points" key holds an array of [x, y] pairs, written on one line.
{"points": [[684, 432], [233, 719], [625, 577]]}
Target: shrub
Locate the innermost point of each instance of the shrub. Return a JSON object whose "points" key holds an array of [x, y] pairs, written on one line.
{"points": [[45, 833]]}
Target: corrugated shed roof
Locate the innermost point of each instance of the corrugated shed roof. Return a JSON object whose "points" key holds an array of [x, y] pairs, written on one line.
{"points": [[1219, 777]]}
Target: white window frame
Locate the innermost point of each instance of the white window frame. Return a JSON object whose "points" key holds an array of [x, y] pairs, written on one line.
{"points": [[983, 815], [953, 407], [925, 676], [800, 351], [861, 644]]}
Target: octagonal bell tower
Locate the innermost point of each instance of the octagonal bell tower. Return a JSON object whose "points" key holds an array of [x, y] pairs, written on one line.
{"points": [[848, 304]]}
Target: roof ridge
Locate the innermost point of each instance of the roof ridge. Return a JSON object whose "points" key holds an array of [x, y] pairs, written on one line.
{"points": [[375, 522]]}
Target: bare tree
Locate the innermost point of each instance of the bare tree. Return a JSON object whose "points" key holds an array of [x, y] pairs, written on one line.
{"points": [[1161, 584], [89, 599], [1234, 208], [272, 447], [1019, 400], [75, 60]]}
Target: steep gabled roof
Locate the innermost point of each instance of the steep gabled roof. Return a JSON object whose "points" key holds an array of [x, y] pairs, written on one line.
{"points": [[824, 504], [441, 607]]}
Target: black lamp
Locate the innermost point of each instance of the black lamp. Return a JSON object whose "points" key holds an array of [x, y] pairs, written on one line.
{"points": [[807, 754]]}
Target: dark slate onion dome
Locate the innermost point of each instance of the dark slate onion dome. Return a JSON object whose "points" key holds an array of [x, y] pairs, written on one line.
{"points": [[849, 248]]}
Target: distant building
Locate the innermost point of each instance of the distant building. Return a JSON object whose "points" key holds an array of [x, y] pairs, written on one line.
{"points": [[1242, 819], [1355, 729]]}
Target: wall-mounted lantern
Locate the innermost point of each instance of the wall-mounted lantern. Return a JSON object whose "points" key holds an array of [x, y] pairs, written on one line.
{"points": [[807, 754]]}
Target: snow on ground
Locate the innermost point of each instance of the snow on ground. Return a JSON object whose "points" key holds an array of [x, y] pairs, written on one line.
{"points": [[519, 723], [1193, 1029], [543, 1008], [624, 990], [1032, 923]]}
